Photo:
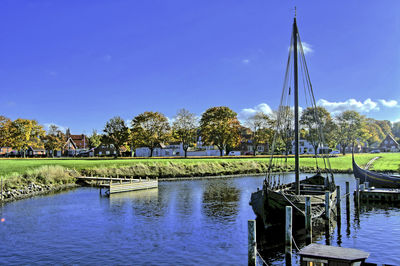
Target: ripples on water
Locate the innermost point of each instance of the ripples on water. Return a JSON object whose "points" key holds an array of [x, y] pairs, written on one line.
{"points": [[202, 222]]}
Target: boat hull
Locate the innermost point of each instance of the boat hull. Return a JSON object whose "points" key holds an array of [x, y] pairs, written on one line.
{"points": [[375, 179], [270, 206]]}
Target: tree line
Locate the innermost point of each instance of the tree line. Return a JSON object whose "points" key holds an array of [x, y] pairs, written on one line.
{"points": [[217, 126]]}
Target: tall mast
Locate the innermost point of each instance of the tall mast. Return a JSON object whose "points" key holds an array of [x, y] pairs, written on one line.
{"points": [[296, 109]]}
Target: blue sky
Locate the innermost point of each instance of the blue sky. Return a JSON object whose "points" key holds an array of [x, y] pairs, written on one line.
{"points": [[79, 63]]}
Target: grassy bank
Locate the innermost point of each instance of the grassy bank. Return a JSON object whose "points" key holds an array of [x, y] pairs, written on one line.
{"points": [[183, 167]]}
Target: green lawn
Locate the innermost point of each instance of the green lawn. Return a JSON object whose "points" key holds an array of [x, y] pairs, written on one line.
{"points": [[388, 162]]}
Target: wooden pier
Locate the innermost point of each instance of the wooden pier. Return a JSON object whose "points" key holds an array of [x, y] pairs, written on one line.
{"points": [[117, 184], [386, 195]]}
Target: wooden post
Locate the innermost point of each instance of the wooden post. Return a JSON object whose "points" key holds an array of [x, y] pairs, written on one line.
{"points": [[366, 184], [252, 248], [327, 207], [288, 236], [140, 179], [357, 192], [308, 221], [338, 200], [1, 187]]}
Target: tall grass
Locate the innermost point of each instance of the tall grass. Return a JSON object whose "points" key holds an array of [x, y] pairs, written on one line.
{"points": [[44, 175]]}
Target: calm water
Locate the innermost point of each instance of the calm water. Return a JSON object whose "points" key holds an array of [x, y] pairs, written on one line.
{"points": [[201, 222]]}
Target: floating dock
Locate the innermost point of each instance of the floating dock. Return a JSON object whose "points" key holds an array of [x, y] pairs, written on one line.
{"points": [[317, 254], [366, 193], [116, 185], [387, 195]]}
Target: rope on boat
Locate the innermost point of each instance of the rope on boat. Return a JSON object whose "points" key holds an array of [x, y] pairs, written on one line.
{"points": [[262, 259], [293, 205], [345, 195], [295, 245]]}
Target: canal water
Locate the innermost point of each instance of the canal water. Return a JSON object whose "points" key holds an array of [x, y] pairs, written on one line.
{"points": [[194, 222]]}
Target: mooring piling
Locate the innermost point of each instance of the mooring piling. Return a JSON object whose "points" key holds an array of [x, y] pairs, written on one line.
{"points": [[357, 192], [252, 242], [308, 223], [1, 189], [288, 235], [338, 200], [327, 205]]}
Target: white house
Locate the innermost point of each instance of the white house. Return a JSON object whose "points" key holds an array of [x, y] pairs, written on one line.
{"points": [[306, 147], [176, 150]]}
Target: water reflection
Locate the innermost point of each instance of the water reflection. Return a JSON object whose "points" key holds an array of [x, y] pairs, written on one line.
{"points": [[199, 222], [220, 200]]}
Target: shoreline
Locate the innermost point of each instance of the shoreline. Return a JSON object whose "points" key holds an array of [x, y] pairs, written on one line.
{"points": [[33, 190], [19, 194]]}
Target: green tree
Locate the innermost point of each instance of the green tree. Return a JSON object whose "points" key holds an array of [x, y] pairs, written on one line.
{"points": [[5, 133], [318, 126], [260, 125], [284, 118], [55, 139], [372, 131], [150, 129], [385, 125], [25, 133], [219, 126], [349, 128], [396, 129], [184, 128], [94, 139], [116, 133]]}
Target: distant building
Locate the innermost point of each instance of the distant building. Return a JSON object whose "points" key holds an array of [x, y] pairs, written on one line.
{"points": [[75, 144], [5, 150], [389, 144], [306, 147], [36, 152], [176, 149]]}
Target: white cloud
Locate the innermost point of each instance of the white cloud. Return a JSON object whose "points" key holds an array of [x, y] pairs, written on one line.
{"points": [[350, 104], [246, 61], [248, 112], [390, 103], [47, 127], [10, 104], [107, 58], [306, 48]]}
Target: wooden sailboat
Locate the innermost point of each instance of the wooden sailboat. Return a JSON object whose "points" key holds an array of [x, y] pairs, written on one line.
{"points": [[269, 203], [374, 178]]}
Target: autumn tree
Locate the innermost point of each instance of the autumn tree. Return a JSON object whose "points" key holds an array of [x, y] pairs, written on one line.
{"points": [[54, 139], [349, 128], [385, 125], [5, 133], [115, 133], [219, 126], [150, 129], [318, 125], [94, 139], [25, 133], [284, 126], [372, 132], [260, 125], [184, 128], [396, 129]]}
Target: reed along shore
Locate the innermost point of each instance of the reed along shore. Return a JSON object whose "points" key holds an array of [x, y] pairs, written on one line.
{"points": [[29, 177]]}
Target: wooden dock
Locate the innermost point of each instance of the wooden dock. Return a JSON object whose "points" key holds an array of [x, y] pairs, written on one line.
{"points": [[117, 184], [317, 254], [388, 195]]}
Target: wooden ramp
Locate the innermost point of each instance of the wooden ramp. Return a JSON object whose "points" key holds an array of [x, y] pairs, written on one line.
{"points": [[117, 184], [131, 186]]}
